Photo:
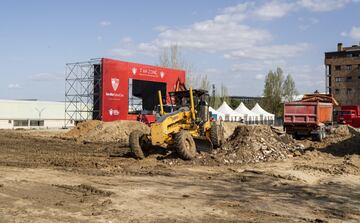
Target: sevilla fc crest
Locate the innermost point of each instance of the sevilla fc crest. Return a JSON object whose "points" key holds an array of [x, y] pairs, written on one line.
{"points": [[115, 83], [133, 70]]}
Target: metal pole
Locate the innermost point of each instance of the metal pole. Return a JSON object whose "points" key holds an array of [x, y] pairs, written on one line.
{"points": [[39, 111]]}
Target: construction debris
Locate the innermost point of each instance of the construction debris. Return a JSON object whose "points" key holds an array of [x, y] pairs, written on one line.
{"points": [[255, 143]]}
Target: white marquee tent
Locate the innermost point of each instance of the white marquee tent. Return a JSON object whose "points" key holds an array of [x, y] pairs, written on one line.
{"points": [[249, 116], [264, 115], [230, 115], [218, 114]]}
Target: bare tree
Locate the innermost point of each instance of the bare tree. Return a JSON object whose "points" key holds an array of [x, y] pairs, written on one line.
{"points": [[224, 94], [171, 57], [204, 83]]}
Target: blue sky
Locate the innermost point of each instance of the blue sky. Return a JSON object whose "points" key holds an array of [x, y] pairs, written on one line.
{"points": [[232, 42]]}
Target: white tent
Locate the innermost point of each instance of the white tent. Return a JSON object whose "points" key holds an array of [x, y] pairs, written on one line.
{"points": [[230, 115], [218, 114], [264, 115], [249, 116]]}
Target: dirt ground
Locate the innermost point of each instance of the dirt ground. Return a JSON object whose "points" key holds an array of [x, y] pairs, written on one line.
{"points": [[44, 178]]}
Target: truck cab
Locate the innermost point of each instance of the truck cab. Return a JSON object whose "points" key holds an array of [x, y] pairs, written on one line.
{"points": [[349, 114]]}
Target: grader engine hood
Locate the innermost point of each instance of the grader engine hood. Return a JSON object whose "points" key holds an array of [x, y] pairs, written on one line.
{"points": [[162, 129]]}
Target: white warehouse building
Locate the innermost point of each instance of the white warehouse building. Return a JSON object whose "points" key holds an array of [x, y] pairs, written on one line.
{"points": [[32, 114]]}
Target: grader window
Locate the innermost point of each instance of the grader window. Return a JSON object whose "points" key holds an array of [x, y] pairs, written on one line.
{"points": [[143, 96]]}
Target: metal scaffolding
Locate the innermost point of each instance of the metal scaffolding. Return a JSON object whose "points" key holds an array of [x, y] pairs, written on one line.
{"points": [[83, 91]]}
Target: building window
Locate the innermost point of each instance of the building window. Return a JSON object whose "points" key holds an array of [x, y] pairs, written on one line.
{"points": [[349, 55], [339, 79], [36, 122], [337, 67], [358, 66], [348, 67], [348, 91], [20, 123], [328, 70], [348, 79], [337, 91], [9, 121]]}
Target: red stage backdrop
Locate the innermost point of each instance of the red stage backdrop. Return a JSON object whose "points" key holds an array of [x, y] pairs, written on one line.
{"points": [[115, 80]]}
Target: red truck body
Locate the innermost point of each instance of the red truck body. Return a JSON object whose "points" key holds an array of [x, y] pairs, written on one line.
{"points": [[307, 118], [349, 114]]}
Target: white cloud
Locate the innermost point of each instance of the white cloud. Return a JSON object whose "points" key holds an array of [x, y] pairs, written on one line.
{"points": [[211, 71], [122, 52], [239, 8], [14, 86], [229, 33], [323, 6], [274, 9], [353, 34], [46, 77], [271, 52], [105, 23], [260, 77], [160, 28], [126, 40], [212, 35], [306, 23]]}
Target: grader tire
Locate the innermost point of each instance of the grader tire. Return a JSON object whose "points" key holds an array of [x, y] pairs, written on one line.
{"points": [[135, 145], [216, 135], [185, 145]]}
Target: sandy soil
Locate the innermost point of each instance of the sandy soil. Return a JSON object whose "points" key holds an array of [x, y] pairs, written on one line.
{"points": [[47, 179]]}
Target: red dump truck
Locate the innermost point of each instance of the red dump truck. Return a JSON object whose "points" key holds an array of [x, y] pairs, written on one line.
{"points": [[306, 118], [350, 115]]}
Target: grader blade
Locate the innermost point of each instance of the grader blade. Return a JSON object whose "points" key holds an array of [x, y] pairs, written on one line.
{"points": [[203, 144]]}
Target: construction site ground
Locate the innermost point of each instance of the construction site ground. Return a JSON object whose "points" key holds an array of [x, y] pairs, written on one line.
{"points": [[45, 177]]}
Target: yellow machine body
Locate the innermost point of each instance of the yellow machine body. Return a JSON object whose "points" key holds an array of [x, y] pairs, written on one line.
{"points": [[164, 129]]}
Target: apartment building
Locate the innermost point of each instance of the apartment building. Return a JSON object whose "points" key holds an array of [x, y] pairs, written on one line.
{"points": [[343, 74]]}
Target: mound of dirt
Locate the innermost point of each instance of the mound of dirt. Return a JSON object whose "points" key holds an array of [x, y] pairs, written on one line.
{"points": [[342, 130], [229, 128], [98, 131], [254, 143], [251, 144], [345, 140]]}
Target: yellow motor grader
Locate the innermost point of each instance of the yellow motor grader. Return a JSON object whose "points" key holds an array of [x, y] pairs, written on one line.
{"points": [[177, 130]]}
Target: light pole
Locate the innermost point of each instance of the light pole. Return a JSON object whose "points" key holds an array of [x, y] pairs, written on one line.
{"points": [[39, 111]]}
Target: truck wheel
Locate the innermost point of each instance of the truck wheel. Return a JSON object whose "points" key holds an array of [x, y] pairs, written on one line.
{"points": [[185, 145], [135, 144], [217, 135]]}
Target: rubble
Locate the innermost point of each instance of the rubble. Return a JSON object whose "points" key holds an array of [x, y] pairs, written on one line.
{"points": [[256, 143], [249, 144]]}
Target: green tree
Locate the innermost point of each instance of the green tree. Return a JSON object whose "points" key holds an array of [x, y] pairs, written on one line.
{"points": [[289, 89], [273, 91], [277, 90]]}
